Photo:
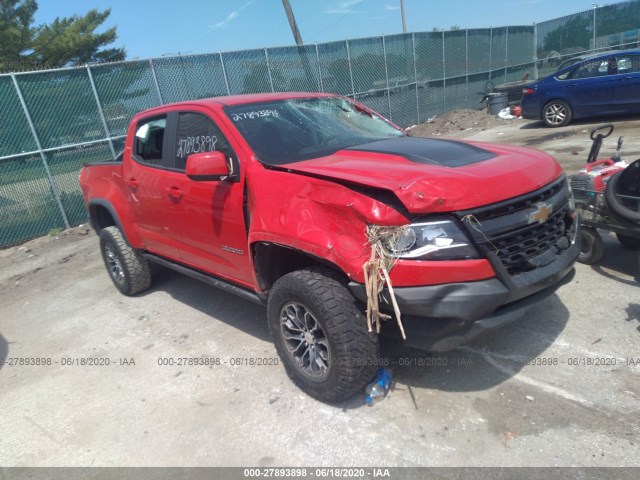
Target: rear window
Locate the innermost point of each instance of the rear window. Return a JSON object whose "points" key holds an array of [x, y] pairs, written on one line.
{"points": [[149, 140], [628, 63]]}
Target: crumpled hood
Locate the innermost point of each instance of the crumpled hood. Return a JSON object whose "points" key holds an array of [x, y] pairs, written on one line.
{"points": [[434, 175]]}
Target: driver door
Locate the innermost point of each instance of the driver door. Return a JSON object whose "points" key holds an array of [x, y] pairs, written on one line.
{"points": [[213, 234]]}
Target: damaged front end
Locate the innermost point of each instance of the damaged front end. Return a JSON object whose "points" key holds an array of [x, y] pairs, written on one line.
{"points": [[528, 256]]}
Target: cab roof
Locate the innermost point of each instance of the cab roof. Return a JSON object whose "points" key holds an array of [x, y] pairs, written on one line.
{"points": [[255, 98]]}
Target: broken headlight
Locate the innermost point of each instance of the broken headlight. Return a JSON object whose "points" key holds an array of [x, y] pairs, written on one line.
{"points": [[434, 240], [572, 200]]}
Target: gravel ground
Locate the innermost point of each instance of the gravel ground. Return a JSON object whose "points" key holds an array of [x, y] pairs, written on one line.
{"points": [[559, 388]]}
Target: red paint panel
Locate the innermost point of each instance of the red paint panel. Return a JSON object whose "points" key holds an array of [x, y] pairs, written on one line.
{"points": [[410, 273], [429, 188]]}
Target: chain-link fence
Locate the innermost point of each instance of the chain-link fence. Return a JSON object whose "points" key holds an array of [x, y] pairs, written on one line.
{"points": [[53, 121], [601, 28]]}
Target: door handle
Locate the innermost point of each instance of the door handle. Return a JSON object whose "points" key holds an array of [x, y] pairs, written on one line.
{"points": [[175, 193], [133, 183]]}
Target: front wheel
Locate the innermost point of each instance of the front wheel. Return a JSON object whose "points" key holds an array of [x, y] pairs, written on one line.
{"points": [[556, 113], [321, 335], [592, 246]]}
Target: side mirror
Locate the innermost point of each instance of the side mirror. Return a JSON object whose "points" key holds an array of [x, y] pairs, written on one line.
{"points": [[207, 166]]}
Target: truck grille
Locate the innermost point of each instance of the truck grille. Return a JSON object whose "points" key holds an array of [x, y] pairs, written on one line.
{"points": [[517, 247], [505, 229], [521, 203]]}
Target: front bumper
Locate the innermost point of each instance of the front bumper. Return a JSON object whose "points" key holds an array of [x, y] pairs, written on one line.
{"points": [[442, 317]]}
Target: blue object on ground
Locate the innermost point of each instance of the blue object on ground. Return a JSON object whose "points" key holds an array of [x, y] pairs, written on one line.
{"points": [[379, 386]]}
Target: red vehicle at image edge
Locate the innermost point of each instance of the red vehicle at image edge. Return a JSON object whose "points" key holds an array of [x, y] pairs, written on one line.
{"points": [[270, 196]]}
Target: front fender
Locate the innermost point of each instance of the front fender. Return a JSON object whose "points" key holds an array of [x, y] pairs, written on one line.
{"points": [[320, 217]]}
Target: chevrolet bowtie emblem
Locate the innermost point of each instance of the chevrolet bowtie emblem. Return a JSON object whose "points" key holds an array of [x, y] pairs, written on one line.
{"points": [[541, 213]]}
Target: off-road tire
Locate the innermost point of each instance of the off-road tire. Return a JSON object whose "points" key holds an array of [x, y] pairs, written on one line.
{"points": [[353, 351], [556, 113], [128, 270], [615, 208], [592, 246]]}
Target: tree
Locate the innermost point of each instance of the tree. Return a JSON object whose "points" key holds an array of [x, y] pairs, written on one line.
{"points": [[573, 35], [65, 42]]}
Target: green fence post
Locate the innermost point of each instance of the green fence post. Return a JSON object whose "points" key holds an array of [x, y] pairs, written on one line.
{"points": [[415, 74], [534, 51], [490, 53], [466, 68], [155, 81], [595, 8], [224, 74], [320, 83], [444, 77], [386, 76], [353, 90], [506, 52], [42, 155], [266, 56], [101, 112]]}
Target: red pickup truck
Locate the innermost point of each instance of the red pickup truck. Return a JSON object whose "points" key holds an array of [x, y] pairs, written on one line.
{"points": [[270, 197]]}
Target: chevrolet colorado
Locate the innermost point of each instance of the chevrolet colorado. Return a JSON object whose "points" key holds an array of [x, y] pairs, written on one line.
{"points": [[270, 197]]}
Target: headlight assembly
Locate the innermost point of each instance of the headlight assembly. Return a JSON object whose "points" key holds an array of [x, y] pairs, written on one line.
{"points": [[434, 240], [572, 201]]}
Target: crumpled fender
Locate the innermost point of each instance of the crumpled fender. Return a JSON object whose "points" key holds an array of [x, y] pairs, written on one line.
{"points": [[320, 217]]}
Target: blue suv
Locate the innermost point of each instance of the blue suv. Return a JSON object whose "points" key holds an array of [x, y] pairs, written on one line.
{"points": [[603, 84]]}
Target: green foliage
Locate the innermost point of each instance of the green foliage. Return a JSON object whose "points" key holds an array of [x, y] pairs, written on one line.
{"points": [[617, 18], [65, 42], [15, 29], [576, 33]]}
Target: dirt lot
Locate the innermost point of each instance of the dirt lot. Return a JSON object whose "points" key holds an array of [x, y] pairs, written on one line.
{"points": [[570, 145], [559, 388]]}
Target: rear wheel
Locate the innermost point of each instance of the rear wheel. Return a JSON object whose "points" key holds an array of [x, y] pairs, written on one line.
{"points": [[321, 335], [556, 113], [617, 207], [592, 246], [128, 270]]}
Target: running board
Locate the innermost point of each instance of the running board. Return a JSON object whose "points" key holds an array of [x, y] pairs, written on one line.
{"points": [[208, 279]]}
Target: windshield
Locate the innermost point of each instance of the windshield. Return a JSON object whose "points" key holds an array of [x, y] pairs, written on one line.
{"points": [[287, 131]]}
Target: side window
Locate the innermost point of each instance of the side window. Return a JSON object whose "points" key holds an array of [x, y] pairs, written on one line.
{"points": [[197, 133], [149, 141], [604, 69], [589, 69], [628, 64]]}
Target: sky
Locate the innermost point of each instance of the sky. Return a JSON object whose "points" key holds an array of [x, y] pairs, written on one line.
{"points": [[154, 28]]}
